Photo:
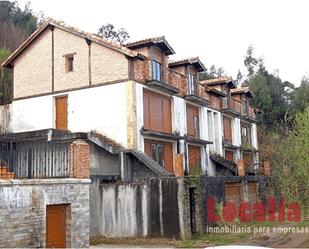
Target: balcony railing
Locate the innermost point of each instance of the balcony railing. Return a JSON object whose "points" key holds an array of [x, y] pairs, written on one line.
{"points": [[231, 104], [29, 160], [251, 113]]}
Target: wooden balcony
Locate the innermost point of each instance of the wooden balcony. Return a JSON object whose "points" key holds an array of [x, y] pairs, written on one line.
{"points": [[232, 106]]}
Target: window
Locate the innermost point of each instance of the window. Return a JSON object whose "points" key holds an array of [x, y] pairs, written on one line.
{"points": [[69, 62], [156, 70], [157, 151], [161, 152], [192, 87]]}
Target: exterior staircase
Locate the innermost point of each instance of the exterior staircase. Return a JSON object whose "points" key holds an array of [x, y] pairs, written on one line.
{"points": [[5, 174]]}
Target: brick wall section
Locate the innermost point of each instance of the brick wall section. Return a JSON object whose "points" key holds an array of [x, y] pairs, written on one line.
{"points": [[79, 159], [5, 173], [32, 69]]}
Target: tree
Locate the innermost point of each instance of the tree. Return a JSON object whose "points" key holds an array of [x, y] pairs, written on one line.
{"points": [[109, 32], [292, 174], [239, 77], [15, 24], [301, 96], [250, 61], [6, 78]]}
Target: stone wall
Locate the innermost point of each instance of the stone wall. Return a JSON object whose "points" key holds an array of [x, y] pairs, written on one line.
{"points": [[23, 211]]}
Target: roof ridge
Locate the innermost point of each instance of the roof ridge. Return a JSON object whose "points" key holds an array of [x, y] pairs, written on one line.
{"points": [[154, 38]]}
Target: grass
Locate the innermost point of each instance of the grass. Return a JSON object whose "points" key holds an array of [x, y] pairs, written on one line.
{"points": [[200, 240]]}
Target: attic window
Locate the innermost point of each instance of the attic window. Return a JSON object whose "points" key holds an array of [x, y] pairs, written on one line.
{"points": [[69, 62]]}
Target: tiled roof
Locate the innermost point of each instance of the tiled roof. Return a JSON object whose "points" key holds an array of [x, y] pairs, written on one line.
{"points": [[61, 25], [193, 61], [218, 81], [215, 81], [242, 89], [160, 41]]}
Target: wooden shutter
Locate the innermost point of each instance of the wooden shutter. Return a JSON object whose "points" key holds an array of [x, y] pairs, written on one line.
{"points": [[194, 156], [229, 155], [192, 121], [233, 193], [157, 112], [248, 159], [227, 123]]}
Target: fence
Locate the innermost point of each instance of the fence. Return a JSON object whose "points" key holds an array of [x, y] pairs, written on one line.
{"points": [[35, 159]]}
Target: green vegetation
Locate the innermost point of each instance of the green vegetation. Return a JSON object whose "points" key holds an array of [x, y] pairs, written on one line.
{"points": [[15, 26]]}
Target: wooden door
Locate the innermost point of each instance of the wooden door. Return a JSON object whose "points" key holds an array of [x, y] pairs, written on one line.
{"points": [[55, 226], [62, 113], [233, 193], [252, 192], [194, 156]]}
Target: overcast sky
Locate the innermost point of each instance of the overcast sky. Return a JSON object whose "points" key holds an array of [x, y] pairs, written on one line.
{"points": [[218, 31]]}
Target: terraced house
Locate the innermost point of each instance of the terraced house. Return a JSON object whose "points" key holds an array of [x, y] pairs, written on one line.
{"points": [[130, 119], [134, 94]]}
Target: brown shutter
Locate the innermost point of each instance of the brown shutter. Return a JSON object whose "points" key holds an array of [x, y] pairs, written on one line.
{"points": [[168, 157], [157, 112], [227, 123], [248, 159], [146, 110], [192, 121], [229, 155], [194, 156], [167, 119]]}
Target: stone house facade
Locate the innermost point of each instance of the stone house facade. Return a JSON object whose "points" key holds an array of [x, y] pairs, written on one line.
{"points": [[68, 79]]}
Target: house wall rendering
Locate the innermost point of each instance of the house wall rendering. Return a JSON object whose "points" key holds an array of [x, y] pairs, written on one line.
{"points": [[133, 94]]}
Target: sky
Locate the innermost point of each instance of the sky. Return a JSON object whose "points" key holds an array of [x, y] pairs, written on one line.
{"points": [[218, 31]]}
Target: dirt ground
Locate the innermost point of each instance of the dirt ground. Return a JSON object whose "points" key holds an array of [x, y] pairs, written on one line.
{"points": [[269, 240]]}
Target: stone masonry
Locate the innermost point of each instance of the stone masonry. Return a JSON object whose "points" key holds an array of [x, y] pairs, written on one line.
{"points": [[23, 211]]}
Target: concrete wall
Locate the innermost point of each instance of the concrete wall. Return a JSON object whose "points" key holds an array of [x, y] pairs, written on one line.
{"points": [[23, 211], [5, 117], [33, 68], [101, 108], [102, 162], [137, 209]]}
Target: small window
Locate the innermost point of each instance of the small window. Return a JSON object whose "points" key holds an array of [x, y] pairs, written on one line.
{"points": [[156, 70], [192, 87], [69, 62]]}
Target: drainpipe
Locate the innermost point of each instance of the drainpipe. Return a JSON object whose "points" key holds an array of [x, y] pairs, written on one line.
{"points": [[122, 166], [186, 158]]}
